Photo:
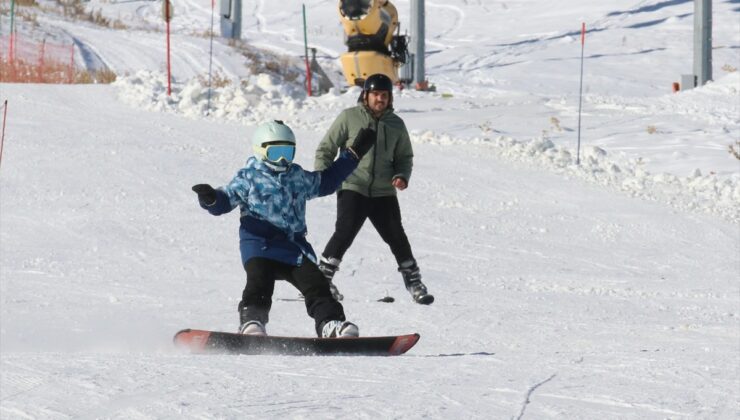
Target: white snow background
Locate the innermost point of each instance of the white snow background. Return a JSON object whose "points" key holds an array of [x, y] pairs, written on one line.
{"points": [[604, 290]]}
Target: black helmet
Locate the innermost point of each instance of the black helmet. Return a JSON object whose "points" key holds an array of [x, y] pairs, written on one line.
{"points": [[378, 81], [355, 9]]}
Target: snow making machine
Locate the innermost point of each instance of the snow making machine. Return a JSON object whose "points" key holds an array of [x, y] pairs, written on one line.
{"points": [[371, 35]]}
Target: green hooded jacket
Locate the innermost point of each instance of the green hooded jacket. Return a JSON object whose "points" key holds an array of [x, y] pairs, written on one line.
{"points": [[391, 157]]}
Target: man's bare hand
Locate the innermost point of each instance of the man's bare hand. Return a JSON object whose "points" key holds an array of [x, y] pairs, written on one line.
{"points": [[399, 183]]}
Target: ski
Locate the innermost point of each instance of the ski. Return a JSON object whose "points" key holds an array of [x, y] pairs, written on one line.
{"points": [[203, 341]]}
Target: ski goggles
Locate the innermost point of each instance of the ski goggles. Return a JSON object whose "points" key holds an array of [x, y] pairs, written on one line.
{"points": [[277, 152]]}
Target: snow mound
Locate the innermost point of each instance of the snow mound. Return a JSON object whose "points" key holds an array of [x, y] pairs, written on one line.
{"points": [[696, 192], [253, 100]]}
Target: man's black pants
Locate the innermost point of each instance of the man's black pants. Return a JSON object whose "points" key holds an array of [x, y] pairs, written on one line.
{"points": [[384, 213]]}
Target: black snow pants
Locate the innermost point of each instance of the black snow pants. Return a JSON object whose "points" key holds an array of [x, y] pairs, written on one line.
{"points": [[384, 213], [261, 276]]}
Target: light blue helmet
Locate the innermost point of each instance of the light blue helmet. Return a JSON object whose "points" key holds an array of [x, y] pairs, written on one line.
{"points": [[270, 132]]}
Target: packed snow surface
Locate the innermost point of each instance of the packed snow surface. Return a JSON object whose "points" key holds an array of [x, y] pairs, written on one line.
{"points": [[604, 289]]}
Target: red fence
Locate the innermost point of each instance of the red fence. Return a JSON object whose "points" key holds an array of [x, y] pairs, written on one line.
{"points": [[30, 61]]}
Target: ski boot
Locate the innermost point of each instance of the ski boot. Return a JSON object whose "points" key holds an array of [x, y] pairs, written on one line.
{"points": [[253, 327], [328, 267], [335, 329], [412, 280], [252, 320]]}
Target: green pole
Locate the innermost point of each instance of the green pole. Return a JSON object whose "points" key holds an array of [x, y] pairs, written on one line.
{"points": [[12, 14], [305, 44]]}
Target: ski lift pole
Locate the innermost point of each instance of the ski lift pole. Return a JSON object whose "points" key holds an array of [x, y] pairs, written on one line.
{"points": [[305, 44], [210, 60], [580, 94]]}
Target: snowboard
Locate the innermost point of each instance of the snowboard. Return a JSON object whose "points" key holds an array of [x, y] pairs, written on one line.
{"points": [[202, 341]]}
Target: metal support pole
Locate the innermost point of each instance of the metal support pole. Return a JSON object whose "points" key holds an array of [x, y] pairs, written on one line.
{"points": [[702, 41], [237, 17], [417, 44], [231, 18]]}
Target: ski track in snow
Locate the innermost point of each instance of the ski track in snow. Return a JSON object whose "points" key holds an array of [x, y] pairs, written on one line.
{"points": [[92, 60], [530, 391], [458, 22], [261, 21]]}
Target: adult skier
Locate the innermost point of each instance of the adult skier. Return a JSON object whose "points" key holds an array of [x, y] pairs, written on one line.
{"points": [[370, 191], [271, 191]]}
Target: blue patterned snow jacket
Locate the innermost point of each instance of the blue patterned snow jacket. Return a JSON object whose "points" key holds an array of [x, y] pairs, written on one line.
{"points": [[273, 206]]}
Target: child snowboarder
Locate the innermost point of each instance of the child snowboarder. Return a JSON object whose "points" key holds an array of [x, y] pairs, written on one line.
{"points": [[271, 192]]}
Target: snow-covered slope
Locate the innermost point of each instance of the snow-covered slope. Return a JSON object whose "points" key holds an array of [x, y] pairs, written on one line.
{"points": [[605, 290]]}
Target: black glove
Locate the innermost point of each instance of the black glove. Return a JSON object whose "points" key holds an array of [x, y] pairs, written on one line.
{"points": [[363, 142], [206, 193]]}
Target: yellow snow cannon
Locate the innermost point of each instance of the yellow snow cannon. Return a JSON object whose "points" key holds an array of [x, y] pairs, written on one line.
{"points": [[369, 27]]}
